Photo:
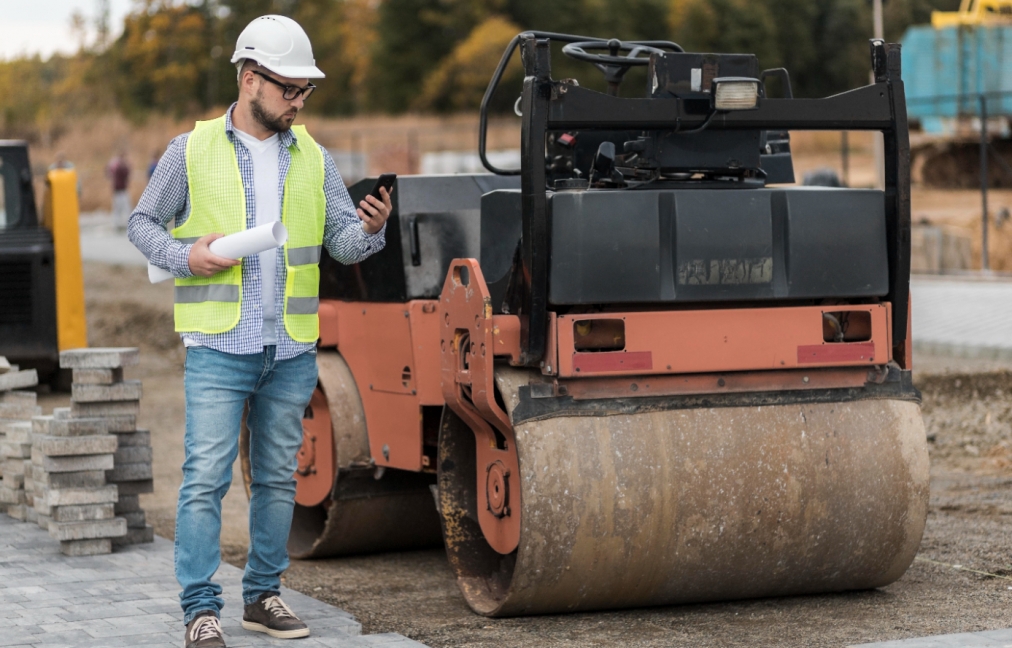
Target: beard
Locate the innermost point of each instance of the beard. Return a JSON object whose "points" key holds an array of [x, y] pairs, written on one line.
{"points": [[277, 123]]}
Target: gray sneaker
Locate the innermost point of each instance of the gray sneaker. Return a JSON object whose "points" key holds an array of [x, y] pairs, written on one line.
{"points": [[204, 631], [270, 614]]}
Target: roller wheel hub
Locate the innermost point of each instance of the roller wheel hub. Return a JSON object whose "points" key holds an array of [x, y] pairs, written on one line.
{"points": [[497, 490]]}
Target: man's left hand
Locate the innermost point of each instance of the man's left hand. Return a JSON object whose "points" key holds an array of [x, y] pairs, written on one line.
{"points": [[374, 213]]}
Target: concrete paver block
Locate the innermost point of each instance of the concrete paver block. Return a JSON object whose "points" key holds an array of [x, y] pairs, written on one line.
{"points": [[102, 358], [134, 536], [75, 496], [18, 380], [133, 454], [129, 472], [136, 438], [85, 512], [129, 390], [18, 511], [5, 423], [41, 424], [135, 519], [21, 411], [15, 450], [56, 446], [77, 426], [76, 463], [19, 397], [128, 503], [12, 495], [61, 412], [118, 424], [87, 530], [16, 466], [14, 480], [98, 376], [102, 409], [91, 547], [140, 487], [79, 479], [18, 432]]}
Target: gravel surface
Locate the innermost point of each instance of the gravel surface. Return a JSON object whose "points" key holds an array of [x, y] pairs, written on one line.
{"points": [[968, 413]]}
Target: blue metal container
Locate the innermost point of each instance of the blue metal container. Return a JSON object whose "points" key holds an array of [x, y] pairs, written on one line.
{"points": [[946, 70]]}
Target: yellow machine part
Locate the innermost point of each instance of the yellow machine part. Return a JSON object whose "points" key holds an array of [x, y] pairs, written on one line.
{"points": [[61, 217], [974, 12], [692, 505]]}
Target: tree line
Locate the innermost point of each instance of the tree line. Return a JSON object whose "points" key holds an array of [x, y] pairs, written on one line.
{"points": [[396, 56]]}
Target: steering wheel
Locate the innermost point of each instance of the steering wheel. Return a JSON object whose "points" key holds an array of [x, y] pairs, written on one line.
{"points": [[611, 64]]}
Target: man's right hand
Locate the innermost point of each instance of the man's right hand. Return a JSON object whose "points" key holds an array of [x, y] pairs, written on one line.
{"points": [[203, 262]]}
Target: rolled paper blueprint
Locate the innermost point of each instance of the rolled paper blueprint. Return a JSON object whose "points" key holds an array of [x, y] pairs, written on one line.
{"points": [[236, 246]]}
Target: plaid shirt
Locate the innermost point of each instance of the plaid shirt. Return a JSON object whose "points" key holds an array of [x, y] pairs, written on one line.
{"points": [[167, 197]]}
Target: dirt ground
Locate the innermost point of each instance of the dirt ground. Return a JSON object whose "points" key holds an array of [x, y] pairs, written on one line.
{"points": [[968, 413]]}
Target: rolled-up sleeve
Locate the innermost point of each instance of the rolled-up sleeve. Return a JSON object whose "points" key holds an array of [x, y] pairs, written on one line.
{"points": [[164, 199], [343, 234]]}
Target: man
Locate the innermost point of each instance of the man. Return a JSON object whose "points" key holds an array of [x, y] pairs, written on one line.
{"points": [[119, 172], [250, 327]]}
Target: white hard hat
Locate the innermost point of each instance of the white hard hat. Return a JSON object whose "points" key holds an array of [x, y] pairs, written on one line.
{"points": [[279, 44]]}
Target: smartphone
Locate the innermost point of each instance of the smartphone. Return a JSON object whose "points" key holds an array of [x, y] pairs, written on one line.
{"points": [[386, 181]]}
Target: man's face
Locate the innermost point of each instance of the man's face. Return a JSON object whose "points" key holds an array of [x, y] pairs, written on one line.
{"points": [[270, 108]]}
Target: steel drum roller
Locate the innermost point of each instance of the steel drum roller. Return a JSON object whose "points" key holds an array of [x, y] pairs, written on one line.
{"points": [[688, 506]]}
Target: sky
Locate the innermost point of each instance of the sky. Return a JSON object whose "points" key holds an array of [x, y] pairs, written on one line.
{"points": [[43, 26]]}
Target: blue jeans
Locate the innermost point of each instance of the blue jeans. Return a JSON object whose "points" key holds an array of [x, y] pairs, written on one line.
{"points": [[217, 386]]}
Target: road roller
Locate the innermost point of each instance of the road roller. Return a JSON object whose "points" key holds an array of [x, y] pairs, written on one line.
{"points": [[645, 368]]}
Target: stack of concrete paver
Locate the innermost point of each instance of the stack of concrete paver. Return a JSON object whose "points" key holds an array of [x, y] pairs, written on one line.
{"points": [[72, 500], [100, 393], [16, 410]]}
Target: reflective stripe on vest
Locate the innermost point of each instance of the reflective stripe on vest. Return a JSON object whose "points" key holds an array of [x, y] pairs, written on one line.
{"points": [[304, 255], [218, 204], [211, 293], [302, 305]]}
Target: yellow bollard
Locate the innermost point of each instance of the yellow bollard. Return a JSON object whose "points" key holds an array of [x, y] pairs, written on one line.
{"points": [[61, 217]]}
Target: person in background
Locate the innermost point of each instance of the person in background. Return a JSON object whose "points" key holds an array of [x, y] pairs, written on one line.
{"points": [[119, 172]]}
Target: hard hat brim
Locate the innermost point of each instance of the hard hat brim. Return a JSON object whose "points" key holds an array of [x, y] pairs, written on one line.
{"points": [[296, 71]]}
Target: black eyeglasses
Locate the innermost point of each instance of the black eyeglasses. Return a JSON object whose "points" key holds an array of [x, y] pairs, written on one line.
{"points": [[289, 92]]}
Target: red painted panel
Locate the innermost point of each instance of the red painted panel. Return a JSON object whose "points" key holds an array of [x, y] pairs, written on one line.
{"points": [[614, 361], [837, 352], [425, 340], [721, 340]]}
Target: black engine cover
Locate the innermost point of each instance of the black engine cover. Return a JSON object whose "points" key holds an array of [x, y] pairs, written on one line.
{"points": [[702, 245]]}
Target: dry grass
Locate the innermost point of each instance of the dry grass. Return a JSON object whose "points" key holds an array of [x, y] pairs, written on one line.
{"points": [[391, 143]]}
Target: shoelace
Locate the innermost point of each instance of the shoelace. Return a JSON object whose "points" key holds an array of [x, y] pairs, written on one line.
{"points": [[277, 607], [206, 627]]}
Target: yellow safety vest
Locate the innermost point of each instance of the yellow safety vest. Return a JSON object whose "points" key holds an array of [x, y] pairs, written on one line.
{"points": [[218, 204]]}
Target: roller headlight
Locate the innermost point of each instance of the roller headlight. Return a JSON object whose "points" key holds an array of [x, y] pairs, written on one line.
{"points": [[735, 93]]}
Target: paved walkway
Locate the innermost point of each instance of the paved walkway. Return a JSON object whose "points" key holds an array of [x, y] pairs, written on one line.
{"points": [[989, 639], [967, 317], [130, 598]]}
